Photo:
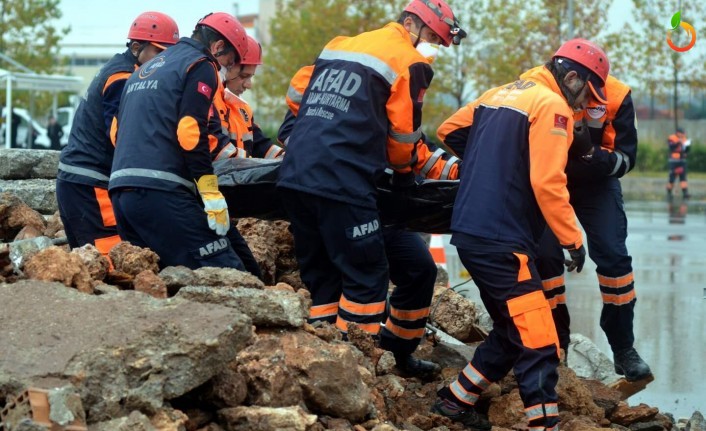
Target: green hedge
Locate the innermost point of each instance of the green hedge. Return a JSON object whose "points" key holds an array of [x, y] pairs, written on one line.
{"points": [[652, 157]]}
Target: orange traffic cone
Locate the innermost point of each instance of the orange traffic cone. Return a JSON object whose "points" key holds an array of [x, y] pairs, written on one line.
{"points": [[436, 248]]}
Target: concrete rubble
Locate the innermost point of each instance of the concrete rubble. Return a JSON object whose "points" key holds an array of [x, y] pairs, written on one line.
{"points": [[135, 348]]}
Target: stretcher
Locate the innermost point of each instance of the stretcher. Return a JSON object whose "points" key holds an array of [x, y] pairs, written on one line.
{"points": [[248, 186]]}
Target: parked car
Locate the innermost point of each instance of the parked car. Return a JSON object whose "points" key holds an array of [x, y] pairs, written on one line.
{"points": [[38, 137]]}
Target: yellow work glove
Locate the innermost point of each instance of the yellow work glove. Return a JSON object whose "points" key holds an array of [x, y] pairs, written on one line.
{"points": [[214, 204]]}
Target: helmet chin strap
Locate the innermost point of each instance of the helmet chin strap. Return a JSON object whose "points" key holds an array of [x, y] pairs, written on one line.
{"points": [[569, 95]]}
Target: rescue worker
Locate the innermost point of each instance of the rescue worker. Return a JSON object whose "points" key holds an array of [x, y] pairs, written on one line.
{"points": [[162, 179], [516, 141], [678, 147], [597, 198], [246, 137], [411, 266], [84, 164], [235, 134], [360, 112]]}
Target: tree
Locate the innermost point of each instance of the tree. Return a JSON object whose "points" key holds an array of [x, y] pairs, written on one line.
{"points": [[28, 37], [651, 62], [300, 30]]}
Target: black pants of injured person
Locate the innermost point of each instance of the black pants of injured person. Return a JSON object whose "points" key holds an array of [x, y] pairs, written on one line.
{"points": [[523, 336]]}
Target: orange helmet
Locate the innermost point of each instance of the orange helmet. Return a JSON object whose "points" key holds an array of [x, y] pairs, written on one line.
{"points": [[439, 17], [254, 55], [230, 28], [590, 56], [154, 27]]}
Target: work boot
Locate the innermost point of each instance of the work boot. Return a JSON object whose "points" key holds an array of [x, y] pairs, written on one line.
{"points": [[685, 194], [629, 364], [465, 415], [409, 366]]}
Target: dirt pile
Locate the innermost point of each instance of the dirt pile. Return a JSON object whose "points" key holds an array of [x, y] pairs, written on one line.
{"points": [[220, 350]]}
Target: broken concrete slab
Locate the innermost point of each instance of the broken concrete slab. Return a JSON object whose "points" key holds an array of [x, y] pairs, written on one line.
{"points": [[126, 348], [20, 164], [265, 307], [38, 194]]}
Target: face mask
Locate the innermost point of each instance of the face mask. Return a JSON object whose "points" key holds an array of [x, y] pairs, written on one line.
{"points": [[223, 73], [428, 50], [229, 96]]}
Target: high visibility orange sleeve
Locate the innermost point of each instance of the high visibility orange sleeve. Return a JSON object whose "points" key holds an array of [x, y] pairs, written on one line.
{"points": [[551, 131], [297, 86], [455, 130], [435, 163], [404, 113]]}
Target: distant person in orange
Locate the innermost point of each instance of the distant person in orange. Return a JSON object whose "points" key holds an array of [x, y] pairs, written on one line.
{"points": [[678, 147]]}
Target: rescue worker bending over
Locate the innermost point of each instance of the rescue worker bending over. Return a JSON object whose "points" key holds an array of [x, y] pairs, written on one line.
{"points": [[514, 141], [678, 147], [604, 149], [162, 180], [360, 112], [84, 165]]}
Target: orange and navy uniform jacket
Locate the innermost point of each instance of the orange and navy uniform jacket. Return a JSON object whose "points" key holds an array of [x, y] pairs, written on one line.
{"points": [[167, 149], [431, 162], [234, 132], [613, 132], [89, 154], [360, 112], [677, 149], [515, 146]]}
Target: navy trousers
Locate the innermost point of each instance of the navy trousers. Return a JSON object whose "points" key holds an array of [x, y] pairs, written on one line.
{"points": [[173, 225]]}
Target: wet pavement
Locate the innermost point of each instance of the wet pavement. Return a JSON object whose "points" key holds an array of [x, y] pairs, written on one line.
{"points": [[668, 246]]}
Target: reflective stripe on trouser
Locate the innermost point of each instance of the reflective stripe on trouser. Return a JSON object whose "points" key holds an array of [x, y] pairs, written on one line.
{"points": [[87, 215], [341, 256], [413, 272], [599, 208], [550, 265], [523, 334]]}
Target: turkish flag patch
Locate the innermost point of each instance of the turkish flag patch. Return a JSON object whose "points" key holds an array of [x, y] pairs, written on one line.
{"points": [[560, 121], [206, 90]]}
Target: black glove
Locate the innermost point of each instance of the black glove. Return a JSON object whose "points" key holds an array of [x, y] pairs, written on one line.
{"points": [[578, 258], [402, 181], [582, 144]]}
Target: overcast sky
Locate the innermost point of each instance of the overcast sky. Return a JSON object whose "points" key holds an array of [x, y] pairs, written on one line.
{"points": [[103, 22]]}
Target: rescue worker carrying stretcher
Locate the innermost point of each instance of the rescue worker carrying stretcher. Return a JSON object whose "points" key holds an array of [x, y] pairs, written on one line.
{"points": [[162, 180], [233, 133], [514, 142], [84, 165], [358, 109], [604, 149]]}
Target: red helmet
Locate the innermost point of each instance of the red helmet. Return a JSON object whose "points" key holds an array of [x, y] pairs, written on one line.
{"points": [[590, 56], [230, 28], [254, 55], [154, 27], [439, 17]]}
